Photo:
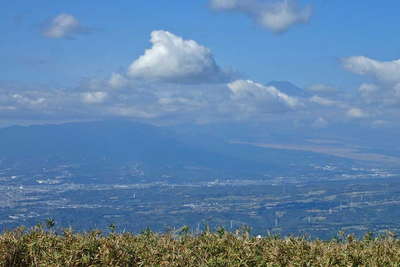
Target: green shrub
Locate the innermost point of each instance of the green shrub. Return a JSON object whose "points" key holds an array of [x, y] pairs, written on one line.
{"points": [[39, 247]]}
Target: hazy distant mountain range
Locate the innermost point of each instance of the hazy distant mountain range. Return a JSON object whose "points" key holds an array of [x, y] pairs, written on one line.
{"points": [[157, 148]]}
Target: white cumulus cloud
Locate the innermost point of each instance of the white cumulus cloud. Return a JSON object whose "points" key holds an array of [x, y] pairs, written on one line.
{"points": [[275, 15], [63, 26], [173, 59], [255, 96], [384, 92], [383, 71]]}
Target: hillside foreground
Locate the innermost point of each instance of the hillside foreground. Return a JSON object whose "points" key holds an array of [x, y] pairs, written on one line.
{"points": [[41, 247]]}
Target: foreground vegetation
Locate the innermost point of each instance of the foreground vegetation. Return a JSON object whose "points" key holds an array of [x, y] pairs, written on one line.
{"points": [[40, 247]]}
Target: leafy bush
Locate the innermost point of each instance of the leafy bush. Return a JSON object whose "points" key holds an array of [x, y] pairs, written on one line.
{"points": [[40, 247]]}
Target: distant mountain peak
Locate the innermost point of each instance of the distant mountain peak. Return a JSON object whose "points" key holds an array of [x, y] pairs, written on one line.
{"points": [[289, 88]]}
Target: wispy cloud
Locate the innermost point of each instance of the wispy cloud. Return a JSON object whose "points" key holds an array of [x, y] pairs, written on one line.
{"points": [[275, 15], [356, 113], [64, 26], [94, 97]]}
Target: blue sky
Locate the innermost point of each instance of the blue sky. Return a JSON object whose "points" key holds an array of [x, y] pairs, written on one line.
{"points": [[110, 36]]}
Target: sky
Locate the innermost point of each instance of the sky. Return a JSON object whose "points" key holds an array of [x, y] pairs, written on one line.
{"points": [[201, 61]]}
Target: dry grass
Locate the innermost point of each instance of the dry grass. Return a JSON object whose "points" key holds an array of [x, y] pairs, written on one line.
{"points": [[38, 247]]}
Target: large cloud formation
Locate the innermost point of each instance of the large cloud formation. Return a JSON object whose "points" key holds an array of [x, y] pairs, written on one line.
{"points": [[173, 59], [275, 15], [64, 26], [178, 80]]}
